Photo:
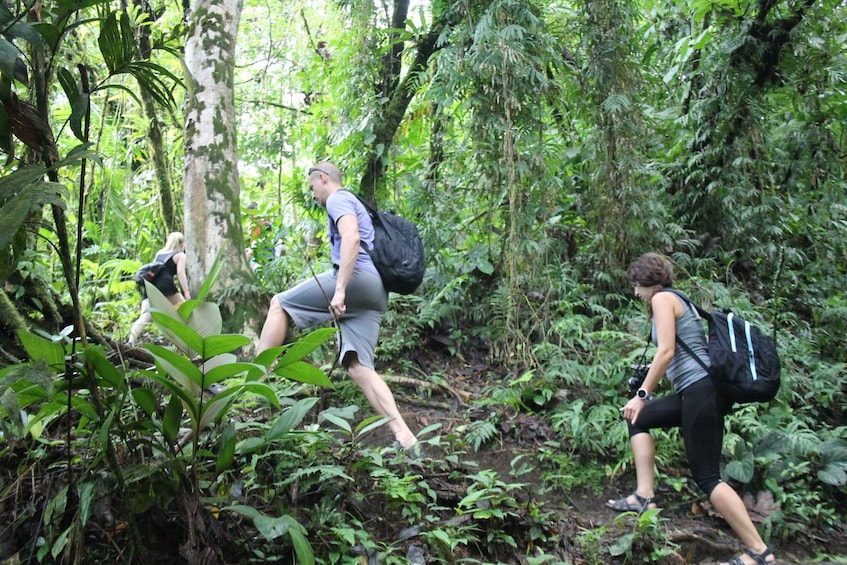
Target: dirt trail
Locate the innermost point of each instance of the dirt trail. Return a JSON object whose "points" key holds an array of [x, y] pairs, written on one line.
{"points": [[700, 535]]}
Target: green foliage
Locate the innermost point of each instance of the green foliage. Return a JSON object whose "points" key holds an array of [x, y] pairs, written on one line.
{"points": [[35, 396], [648, 536], [542, 149]]}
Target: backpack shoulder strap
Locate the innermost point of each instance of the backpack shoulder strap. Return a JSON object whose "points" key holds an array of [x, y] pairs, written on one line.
{"points": [[374, 216], [371, 210], [703, 314], [166, 257]]}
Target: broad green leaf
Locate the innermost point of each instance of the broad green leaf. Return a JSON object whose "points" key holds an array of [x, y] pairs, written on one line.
{"points": [[178, 332], [230, 370], [226, 449], [27, 32], [671, 74], [171, 420], [86, 501], [244, 510], [8, 55], [267, 357], [290, 419], [623, 545], [305, 373], [304, 552], [84, 407], [262, 390], [220, 361], [61, 542], [105, 430], [224, 399], [178, 367], [217, 344], [306, 345], [189, 400], [340, 422], [39, 348], [834, 474], [371, 423], [78, 100], [104, 368], [270, 528], [203, 317], [249, 444], [703, 39], [31, 382], [160, 303], [47, 413], [145, 399], [213, 409], [485, 266], [741, 470]]}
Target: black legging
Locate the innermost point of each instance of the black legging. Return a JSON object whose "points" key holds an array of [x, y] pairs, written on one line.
{"points": [[698, 411]]}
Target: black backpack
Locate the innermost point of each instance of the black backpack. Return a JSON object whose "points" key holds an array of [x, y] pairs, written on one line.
{"points": [[745, 364], [398, 252], [149, 271]]}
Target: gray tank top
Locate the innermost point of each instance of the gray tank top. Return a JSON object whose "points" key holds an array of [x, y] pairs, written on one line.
{"points": [[684, 370]]}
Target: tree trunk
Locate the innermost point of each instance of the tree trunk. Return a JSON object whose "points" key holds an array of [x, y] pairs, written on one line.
{"points": [[398, 92], [212, 211]]}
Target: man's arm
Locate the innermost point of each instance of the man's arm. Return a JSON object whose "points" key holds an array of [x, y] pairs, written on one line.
{"points": [[348, 229]]}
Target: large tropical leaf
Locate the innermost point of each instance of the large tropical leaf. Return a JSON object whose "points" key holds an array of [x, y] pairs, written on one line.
{"points": [[24, 190], [117, 44], [178, 367]]}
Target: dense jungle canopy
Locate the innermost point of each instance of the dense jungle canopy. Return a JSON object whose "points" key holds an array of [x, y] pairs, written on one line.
{"points": [[540, 146]]}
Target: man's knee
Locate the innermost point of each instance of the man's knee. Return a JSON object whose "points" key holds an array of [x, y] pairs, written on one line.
{"points": [[351, 364], [276, 310], [358, 372]]}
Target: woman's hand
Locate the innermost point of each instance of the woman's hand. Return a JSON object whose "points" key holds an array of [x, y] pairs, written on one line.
{"points": [[632, 409]]}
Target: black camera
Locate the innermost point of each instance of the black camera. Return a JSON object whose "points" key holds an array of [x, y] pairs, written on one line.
{"points": [[634, 382]]}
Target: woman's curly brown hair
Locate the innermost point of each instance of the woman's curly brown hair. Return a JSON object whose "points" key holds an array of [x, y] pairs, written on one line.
{"points": [[651, 269]]}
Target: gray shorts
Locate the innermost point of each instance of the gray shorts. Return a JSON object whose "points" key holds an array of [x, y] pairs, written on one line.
{"points": [[366, 300]]}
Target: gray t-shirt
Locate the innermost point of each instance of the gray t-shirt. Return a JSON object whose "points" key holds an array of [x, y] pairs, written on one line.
{"points": [[342, 203], [684, 370]]}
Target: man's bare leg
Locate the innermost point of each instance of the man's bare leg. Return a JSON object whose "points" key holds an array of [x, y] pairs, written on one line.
{"points": [[275, 328], [382, 400]]}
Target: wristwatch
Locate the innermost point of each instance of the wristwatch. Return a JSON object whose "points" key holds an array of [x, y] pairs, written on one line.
{"points": [[644, 395]]}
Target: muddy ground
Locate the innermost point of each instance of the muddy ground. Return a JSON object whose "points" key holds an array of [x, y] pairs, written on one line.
{"points": [[699, 534]]}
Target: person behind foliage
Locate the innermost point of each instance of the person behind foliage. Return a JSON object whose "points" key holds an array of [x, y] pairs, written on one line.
{"points": [[351, 293], [695, 405], [173, 257]]}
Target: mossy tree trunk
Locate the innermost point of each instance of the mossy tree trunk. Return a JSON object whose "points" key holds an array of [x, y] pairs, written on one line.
{"points": [[212, 193]]}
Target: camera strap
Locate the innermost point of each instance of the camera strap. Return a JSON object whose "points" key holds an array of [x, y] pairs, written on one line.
{"points": [[643, 359]]}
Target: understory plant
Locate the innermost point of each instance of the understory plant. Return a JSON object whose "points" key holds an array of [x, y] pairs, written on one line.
{"points": [[159, 442]]}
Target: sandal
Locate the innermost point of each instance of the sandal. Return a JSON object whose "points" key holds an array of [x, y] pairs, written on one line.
{"points": [[641, 504], [759, 558]]}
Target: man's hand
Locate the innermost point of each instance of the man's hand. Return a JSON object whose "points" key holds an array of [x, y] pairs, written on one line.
{"points": [[337, 307]]}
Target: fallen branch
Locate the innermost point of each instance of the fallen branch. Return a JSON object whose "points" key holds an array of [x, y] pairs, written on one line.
{"points": [[421, 402], [461, 396]]}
